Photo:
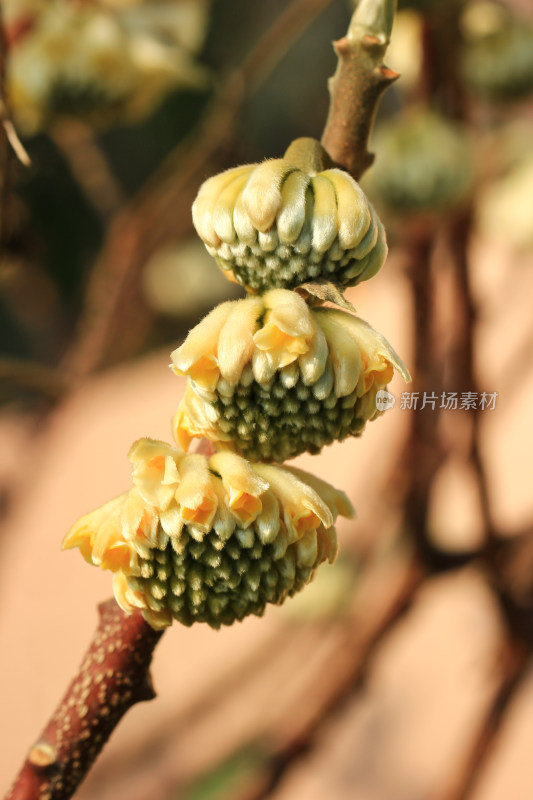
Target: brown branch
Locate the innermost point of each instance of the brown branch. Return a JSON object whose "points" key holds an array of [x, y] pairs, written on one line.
{"points": [[357, 86], [113, 676], [465, 783], [89, 166], [466, 310], [34, 376], [423, 453]]}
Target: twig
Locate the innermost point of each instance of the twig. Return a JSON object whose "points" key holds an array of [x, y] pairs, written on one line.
{"points": [[34, 376], [13, 139], [5, 116], [113, 676], [357, 86], [423, 451], [89, 166], [466, 309]]}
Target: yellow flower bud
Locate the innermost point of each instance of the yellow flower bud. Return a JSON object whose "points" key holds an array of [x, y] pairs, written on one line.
{"points": [[297, 378], [229, 538], [287, 221]]}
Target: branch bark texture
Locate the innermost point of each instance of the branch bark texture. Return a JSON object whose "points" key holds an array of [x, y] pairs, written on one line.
{"points": [[357, 85], [113, 676]]}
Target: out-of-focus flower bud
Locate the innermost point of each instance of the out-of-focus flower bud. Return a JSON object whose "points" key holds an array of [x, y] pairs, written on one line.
{"points": [[103, 64], [290, 220], [498, 55], [210, 539], [425, 163], [273, 378]]}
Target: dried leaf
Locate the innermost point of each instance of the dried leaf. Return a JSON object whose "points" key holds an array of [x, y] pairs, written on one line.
{"points": [[324, 291]]}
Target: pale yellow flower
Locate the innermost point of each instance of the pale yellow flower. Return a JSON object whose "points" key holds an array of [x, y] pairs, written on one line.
{"points": [[242, 535], [296, 379]]}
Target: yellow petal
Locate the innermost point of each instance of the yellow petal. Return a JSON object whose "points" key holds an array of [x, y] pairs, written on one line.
{"points": [[337, 501], [263, 367], [139, 521], [353, 212], [291, 215], [303, 508], [242, 484], [288, 331], [155, 472], [245, 507], [183, 427], [267, 523], [344, 351], [127, 599], [242, 223], [197, 356], [223, 209], [377, 256], [327, 545], [191, 420], [195, 494], [262, 194], [313, 363], [289, 311], [376, 347], [171, 521], [204, 204], [224, 521], [99, 537], [325, 226], [236, 342]]}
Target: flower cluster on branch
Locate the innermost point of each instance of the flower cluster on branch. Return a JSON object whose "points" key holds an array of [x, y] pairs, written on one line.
{"points": [[271, 376], [209, 539]]}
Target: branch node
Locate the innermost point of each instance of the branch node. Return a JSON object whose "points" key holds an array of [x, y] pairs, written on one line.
{"points": [[372, 42], [42, 755], [356, 88], [389, 74], [342, 47]]}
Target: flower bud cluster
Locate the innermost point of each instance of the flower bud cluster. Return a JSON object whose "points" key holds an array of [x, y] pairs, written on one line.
{"points": [[104, 61], [274, 225], [273, 378], [497, 61], [209, 539]]}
